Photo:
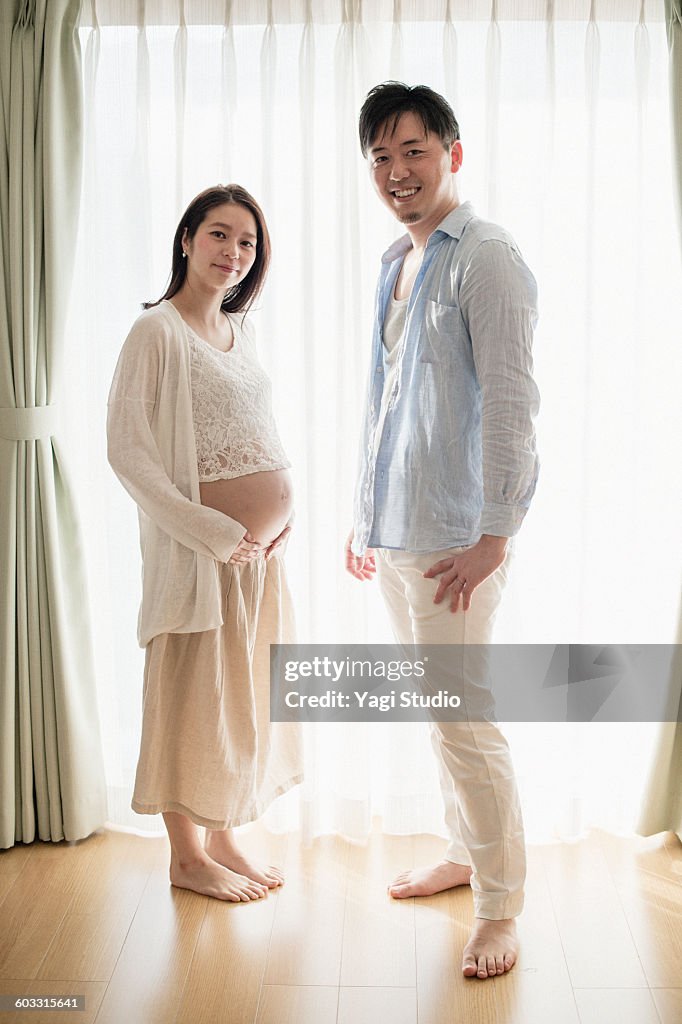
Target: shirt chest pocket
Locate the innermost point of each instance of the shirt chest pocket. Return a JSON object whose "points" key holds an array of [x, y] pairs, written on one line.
{"points": [[443, 336]]}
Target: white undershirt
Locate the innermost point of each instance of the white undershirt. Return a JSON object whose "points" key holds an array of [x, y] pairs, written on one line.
{"points": [[394, 326]]}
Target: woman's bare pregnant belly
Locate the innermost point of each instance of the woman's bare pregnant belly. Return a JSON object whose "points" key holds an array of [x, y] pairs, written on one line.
{"points": [[262, 502]]}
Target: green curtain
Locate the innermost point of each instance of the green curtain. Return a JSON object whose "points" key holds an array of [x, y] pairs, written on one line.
{"points": [[51, 766], [662, 807]]}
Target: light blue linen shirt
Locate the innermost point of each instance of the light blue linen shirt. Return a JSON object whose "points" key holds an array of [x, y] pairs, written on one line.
{"points": [[456, 457]]}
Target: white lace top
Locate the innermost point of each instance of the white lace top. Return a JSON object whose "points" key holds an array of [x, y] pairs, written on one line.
{"points": [[234, 428], [151, 447]]}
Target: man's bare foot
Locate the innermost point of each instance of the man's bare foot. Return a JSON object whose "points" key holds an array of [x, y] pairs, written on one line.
{"points": [[204, 876], [492, 948], [427, 881], [220, 846]]}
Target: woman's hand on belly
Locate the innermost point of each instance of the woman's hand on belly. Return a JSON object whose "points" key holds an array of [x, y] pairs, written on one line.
{"points": [[261, 502], [246, 550]]}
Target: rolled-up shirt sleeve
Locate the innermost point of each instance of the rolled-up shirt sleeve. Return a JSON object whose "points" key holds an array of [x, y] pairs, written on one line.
{"points": [[135, 457], [498, 301]]}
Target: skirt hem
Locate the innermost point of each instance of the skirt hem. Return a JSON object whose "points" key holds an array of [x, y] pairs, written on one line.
{"points": [[255, 812]]}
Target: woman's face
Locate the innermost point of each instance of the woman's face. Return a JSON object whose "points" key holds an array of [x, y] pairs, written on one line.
{"points": [[224, 247]]}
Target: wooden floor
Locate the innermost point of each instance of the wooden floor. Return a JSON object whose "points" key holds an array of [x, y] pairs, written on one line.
{"points": [[601, 937]]}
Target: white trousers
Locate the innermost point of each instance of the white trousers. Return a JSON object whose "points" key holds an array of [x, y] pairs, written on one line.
{"points": [[482, 808]]}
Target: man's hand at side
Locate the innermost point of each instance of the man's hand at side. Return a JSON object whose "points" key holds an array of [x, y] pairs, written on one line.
{"points": [[363, 567], [461, 574]]}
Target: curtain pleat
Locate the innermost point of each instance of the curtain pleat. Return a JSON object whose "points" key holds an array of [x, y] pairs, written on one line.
{"points": [[52, 781], [662, 803], [396, 58], [661, 808], [591, 90], [550, 92], [450, 59], [493, 57], [228, 94], [642, 57], [308, 226], [673, 18], [180, 87], [268, 84]]}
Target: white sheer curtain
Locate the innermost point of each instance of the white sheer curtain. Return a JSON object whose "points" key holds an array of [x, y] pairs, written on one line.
{"points": [[564, 115]]}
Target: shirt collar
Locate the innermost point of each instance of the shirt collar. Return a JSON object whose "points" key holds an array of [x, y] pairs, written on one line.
{"points": [[453, 224]]}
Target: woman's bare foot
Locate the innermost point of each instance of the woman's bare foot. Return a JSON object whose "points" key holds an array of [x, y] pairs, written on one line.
{"points": [[221, 847], [204, 876], [427, 881], [492, 948]]}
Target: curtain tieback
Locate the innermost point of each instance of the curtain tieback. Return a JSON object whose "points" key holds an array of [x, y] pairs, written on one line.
{"points": [[28, 424]]}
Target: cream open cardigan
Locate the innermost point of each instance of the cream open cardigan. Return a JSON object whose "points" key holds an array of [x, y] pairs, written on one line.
{"points": [[152, 450]]}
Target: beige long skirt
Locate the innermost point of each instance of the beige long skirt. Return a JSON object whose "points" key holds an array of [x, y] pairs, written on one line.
{"points": [[208, 748]]}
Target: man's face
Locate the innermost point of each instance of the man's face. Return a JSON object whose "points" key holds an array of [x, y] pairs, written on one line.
{"points": [[412, 172]]}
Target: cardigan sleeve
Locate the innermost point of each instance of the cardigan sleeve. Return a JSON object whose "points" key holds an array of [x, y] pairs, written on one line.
{"points": [[138, 393]]}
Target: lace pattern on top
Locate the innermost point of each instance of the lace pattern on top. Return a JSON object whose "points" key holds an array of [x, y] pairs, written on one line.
{"points": [[232, 411]]}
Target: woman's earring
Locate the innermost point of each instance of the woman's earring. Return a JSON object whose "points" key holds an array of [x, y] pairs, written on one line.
{"points": [[184, 255]]}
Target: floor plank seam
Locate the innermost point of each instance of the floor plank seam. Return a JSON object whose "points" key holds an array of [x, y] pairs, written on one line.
{"points": [[266, 958], [552, 904], [36, 976], [627, 923], [20, 872], [343, 926], [102, 1000], [190, 960], [120, 952]]}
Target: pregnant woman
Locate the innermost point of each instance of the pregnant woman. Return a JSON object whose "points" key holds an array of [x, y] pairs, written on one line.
{"points": [[192, 438]]}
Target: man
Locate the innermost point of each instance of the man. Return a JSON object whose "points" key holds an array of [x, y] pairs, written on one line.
{"points": [[448, 469]]}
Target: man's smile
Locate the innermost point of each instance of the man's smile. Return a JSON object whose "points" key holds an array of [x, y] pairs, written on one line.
{"points": [[403, 194]]}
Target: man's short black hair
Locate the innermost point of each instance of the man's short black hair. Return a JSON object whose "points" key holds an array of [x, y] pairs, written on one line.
{"points": [[385, 103]]}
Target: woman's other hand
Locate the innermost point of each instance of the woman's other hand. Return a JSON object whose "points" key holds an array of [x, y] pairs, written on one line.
{"points": [[278, 543]]}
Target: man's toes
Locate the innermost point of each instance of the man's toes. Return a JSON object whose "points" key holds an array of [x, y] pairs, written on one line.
{"points": [[509, 961], [482, 967], [499, 964], [400, 892], [492, 967], [469, 968]]}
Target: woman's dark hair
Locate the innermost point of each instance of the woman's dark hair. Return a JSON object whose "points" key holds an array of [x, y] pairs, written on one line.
{"points": [[241, 297], [385, 103]]}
